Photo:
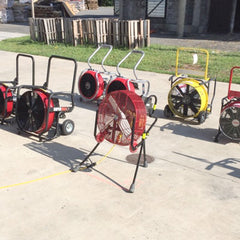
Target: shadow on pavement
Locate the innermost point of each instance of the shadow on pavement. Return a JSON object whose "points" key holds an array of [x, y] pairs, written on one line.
{"points": [[225, 163]]}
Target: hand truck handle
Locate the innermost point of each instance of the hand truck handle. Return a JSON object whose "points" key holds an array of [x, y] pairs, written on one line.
{"points": [[105, 57], [230, 79], [136, 65], [16, 80], [45, 85]]}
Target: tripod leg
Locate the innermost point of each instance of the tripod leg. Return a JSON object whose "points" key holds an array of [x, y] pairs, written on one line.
{"points": [[132, 187], [77, 168], [217, 136], [145, 164]]}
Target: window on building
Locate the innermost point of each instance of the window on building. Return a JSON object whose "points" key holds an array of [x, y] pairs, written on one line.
{"points": [[156, 8]]}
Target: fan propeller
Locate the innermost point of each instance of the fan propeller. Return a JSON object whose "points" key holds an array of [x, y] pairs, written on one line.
{"points": [[185, 100], [117, 114], [91, 85], [32, 110], [230, 121]]}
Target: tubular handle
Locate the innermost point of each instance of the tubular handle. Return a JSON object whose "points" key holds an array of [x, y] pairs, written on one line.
{"points": [[136, 65], [16, 80], [230, 79], [63, 58], [105, 57]]}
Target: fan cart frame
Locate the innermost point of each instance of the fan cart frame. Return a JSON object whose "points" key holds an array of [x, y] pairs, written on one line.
{"points": [[192, 93], [8, 91], [50, 109], [228, 106], [98, 78], [126, 83], [133, 145]]}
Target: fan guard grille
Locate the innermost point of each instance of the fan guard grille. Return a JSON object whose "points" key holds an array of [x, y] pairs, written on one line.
{"points": [[32, 111], [116, 115], [187, 98], [230, 120], [91, 85]]}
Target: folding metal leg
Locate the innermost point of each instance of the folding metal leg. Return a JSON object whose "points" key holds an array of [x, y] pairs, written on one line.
{"points": [[78, 167], [142, 149]]}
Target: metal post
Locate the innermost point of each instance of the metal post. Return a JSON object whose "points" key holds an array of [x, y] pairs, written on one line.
{"points": [[232, 22], [181, 17], [33, 11]]}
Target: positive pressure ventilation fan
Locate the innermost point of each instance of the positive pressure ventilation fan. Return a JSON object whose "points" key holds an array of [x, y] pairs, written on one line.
{"points": [[121, 119], [32, 112], [6, 101], [91, 85], [120, 113], [187, 98], [120, 83], [230, 120]]}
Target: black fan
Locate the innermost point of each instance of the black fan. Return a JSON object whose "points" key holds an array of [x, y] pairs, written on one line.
{"points": [[185, 100], [230, 121]]}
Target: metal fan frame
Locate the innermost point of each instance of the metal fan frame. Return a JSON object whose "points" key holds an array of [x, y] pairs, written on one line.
{"points": [[10, 87], [133, 146], [101, 77], [201, 90], [52, 113], [99, 85], [231, 100], [131, 84]]}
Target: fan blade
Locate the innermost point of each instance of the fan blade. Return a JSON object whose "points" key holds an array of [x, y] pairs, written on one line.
{"points": [[193, 108], [180, 90], [185, 109], [123, 122]]}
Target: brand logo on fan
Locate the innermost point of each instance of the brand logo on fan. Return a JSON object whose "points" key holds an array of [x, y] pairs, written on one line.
{"points": [[235, 123]]}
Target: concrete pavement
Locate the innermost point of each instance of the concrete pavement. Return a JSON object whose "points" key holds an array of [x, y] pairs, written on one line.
{"points": [[190, 191]]}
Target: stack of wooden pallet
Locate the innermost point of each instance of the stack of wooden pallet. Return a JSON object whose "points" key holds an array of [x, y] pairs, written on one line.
{"points": [[126, 33]]}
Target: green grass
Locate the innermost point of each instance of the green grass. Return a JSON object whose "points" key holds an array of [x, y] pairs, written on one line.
{"points": [[158, 58]]}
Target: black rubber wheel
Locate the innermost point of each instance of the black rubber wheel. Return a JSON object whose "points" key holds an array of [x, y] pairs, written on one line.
{"points": [[201, 117], [167, 112], [67, 127]]}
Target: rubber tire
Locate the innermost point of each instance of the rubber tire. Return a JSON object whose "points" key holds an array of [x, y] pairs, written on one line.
{"points": [[167, 112], [201, 117], [67, 127]]}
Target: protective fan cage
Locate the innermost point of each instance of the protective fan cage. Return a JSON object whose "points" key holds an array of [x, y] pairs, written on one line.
{"points": [[91, 85], [5, 95], [230, 120], [32, 111], [116, 116], [187, 98], [120, 83]]}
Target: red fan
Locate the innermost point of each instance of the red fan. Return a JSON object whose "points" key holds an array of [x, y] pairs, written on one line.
{"points": [[6, 107], [120, 113], [121, 119]]}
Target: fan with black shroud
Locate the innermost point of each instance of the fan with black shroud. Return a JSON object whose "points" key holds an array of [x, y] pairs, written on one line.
{"points": [[189, 93], [121, 120], [229, 121], [8, 90], [91, 83], [38, 109]]}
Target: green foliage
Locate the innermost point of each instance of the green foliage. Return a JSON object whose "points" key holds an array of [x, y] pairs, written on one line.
{"points": [[105, 2], [158, 58]]}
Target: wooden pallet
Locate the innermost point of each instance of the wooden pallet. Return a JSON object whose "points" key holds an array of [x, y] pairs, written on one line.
{"points": [[131, 34]]}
